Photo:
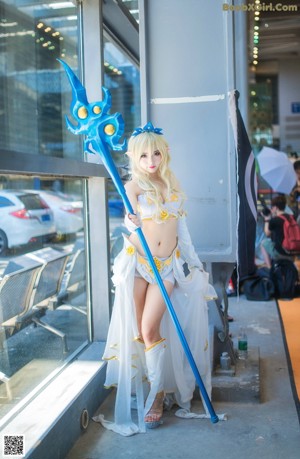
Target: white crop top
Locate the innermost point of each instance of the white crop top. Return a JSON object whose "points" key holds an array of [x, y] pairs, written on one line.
{"points": [[171, 208]]}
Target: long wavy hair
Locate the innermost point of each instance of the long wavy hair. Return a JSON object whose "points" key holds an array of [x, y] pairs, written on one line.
{"points": [[149, 142]]}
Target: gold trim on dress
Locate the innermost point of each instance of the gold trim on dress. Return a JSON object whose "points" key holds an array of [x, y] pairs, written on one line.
{"points": [[164, 215], [173, 197], [209, 298], [155, 344], [130, 250], [160, 264]]}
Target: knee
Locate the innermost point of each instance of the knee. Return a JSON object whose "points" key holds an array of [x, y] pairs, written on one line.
{"points": [[150, 333]]}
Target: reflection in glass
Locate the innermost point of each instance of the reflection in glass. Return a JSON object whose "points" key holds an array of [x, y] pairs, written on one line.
{"points": [[43, 306], [133, 8], [34, 93], [122, 78], [263, 112]]}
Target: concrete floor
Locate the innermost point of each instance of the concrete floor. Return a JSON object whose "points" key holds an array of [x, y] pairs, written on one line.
{"points": [[266, 430]]}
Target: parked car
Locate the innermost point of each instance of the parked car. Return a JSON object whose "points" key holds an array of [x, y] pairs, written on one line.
{"points": [[24, 217], [67, 212]]}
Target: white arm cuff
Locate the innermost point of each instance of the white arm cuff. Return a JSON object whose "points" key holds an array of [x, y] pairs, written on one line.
{"points": [[129, 224]]}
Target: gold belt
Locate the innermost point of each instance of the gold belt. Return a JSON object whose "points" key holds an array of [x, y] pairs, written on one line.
{"points": [[159, 263]]}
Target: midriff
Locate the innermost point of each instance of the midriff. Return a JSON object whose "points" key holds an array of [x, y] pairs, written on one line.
{"points": [[161, 237]]}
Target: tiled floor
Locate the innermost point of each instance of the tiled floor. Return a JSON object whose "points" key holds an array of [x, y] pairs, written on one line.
{"points": [[269, 430]]}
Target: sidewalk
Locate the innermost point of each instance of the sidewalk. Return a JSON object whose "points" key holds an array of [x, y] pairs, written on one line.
{"points": [[266, 430]]}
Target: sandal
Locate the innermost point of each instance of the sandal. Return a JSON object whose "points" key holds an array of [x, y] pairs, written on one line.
{"points": [[139, 339], [154, 415]]}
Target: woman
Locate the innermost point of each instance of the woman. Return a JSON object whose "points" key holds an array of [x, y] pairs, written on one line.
{"points": [[142, 341]]}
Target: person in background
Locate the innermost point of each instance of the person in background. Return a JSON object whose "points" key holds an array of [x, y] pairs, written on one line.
{"points": [[295, 193], [271, 247]]}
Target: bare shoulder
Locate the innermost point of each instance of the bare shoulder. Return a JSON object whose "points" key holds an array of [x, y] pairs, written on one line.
{"points": [[132, 187], [132, 191]]}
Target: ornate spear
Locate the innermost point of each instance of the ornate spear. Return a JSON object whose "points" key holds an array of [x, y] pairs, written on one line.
{"points": [[103, 130]]}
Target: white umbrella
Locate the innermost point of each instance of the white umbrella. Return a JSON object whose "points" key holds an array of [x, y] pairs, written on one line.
{"points": [[277, 170]]}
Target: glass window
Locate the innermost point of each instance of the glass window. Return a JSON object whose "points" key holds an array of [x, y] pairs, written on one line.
{"points": [[43, 305], [122, 78], [32, 201], [4, 202], [263, 111], [133, 8], [34, 91]]}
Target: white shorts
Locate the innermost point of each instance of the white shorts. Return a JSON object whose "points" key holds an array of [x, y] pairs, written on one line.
{"points": [[164, 267]]}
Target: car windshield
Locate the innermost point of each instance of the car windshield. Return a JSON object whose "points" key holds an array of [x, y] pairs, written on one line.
{"points": [[32, 201]]}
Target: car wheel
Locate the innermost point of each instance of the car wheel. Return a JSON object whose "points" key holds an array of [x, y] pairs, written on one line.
{"points": [[3, 243]]}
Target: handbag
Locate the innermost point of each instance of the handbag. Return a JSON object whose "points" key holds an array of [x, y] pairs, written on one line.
{"points": [[258, 288]]}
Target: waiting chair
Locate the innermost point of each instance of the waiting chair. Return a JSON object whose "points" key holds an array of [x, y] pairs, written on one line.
{"points": [[27, 293], [74, 282]]}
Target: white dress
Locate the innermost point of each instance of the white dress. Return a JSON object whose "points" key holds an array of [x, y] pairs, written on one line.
{"points": [[126, 368]]}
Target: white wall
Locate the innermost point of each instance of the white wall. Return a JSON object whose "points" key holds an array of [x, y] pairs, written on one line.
{"points": [[186, 73]]}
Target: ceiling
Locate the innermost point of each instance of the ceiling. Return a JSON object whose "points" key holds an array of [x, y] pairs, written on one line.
{"points": [[279, 29]]}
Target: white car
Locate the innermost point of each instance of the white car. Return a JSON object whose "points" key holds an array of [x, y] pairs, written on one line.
{"points": [[24, 218], [67, 212]]}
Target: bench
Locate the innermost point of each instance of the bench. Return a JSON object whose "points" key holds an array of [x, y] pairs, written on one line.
{"points": [[73, 283], [27, 293]]}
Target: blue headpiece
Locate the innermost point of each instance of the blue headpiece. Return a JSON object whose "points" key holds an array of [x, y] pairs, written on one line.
{"points": [[147, 128]]}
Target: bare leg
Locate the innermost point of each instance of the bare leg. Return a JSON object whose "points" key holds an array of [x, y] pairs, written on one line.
{"points": [[266, 256], [153, 312], [139, 293]]}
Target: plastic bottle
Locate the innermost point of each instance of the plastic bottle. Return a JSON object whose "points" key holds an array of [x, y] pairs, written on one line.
{"points": [[225, 361], [242, 344]]}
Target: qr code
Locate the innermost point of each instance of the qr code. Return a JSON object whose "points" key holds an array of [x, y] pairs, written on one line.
{"points": [[13, 445]]}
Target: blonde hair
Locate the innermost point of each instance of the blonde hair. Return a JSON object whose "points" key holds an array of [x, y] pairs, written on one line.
{"points": [[149, 142]]}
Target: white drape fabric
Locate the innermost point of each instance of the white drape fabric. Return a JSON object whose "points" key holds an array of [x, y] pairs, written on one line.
{"points": [[125, 355]]}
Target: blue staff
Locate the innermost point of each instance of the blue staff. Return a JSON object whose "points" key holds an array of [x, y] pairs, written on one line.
{"points": [[102, 130]]}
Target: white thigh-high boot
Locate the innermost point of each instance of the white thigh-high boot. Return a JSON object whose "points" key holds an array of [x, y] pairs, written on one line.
{"points": [[155, 356]]}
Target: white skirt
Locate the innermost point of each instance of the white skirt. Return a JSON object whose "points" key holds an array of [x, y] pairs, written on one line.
{"points": [[126, 367]]}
